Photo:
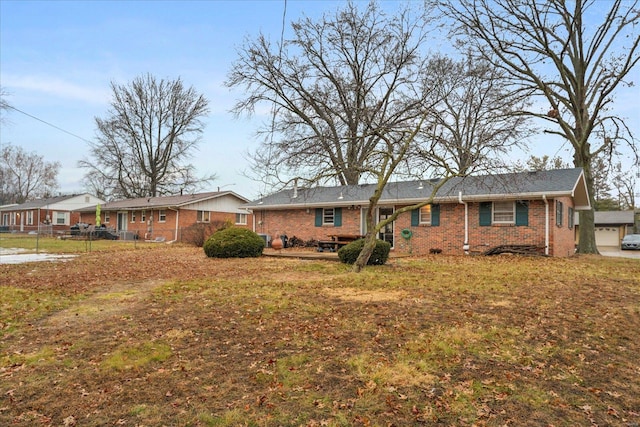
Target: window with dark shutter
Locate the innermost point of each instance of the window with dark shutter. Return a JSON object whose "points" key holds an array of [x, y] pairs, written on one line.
{"points": [[559, 210], [415, 217], [522, 212], [435, 215], [485, 213], [319, 217]]}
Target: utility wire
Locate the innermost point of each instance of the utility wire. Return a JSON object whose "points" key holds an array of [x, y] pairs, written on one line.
{"points": [[273, 107], [48, 124]]}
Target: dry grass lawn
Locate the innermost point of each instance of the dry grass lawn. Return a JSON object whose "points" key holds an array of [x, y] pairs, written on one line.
{"points": [[163, 335]]}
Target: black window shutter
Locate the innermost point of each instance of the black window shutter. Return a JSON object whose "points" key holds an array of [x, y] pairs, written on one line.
{"points": [[485, 213], [522, 212], [415, 217], [319, 217], [337, 217], [435, 215]]}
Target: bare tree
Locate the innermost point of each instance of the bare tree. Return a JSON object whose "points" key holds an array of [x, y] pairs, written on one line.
{"points": [[142, 147], [543, 163], [554, 50], [601, 173], [4, 105], [332, 87], [478, 120], [349, 95], [625, 180], [25, 176]]}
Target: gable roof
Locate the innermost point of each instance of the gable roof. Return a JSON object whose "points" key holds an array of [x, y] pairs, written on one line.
{"points": [[41, 203], [514, 186], [167, 201]]}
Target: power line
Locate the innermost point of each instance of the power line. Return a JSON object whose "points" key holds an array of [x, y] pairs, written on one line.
{"points": [[49, 124]]}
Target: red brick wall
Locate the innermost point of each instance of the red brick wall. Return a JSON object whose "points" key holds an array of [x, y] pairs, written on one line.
{"points": [[448, 236], [167, 228], [562, 237]]}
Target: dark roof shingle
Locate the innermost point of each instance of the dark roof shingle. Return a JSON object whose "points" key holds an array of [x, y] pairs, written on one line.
{"points": [[550, 183]]}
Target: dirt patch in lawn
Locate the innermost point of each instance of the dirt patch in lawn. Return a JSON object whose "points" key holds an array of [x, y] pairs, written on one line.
{"points": [[166, 336], [362, 295], [108, 302]]}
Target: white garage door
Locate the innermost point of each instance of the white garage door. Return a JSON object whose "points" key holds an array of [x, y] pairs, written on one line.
{"points": [[607, 236]]}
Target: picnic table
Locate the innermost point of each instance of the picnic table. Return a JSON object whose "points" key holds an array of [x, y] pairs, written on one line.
{"points": [[336, 241]]}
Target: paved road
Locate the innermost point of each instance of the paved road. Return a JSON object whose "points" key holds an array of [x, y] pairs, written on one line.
{"points": [[612, 251]]}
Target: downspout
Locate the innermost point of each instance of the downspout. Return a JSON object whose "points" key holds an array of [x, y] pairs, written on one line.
{"points": [[546, 224], [253, 220], [465, 246], [175, 236]]}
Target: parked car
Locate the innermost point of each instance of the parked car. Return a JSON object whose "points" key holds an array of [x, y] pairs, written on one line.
{"points": [[630, 241]]}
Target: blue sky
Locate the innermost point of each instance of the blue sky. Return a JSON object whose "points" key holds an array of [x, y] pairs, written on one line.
{"points": [[57, 59]]}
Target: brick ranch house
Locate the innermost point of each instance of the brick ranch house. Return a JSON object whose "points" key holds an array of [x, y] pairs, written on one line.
{"points": [[468, 214], [166, 218], [50, 215]]}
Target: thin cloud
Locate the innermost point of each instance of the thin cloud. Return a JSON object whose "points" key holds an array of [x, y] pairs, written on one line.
{"points": [[54, 86]]}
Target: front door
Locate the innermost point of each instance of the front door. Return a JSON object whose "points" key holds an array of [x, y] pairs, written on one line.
{"points": [[121, 223], [386, 232]]}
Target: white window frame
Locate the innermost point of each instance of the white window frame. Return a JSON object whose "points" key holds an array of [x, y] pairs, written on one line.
{"points": [[425, 215], [328, 216], [503, 212], [61, 218], [106, 217], [203, 216], [29, 217], [241, 219], [133, 216], [143, 216], [162, 215]]}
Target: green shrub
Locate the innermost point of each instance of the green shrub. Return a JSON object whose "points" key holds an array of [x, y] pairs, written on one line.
{"points": [[234, 243], [349, 253]]}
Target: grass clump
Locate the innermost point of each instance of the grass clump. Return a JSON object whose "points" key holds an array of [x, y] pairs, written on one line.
{"points": [[138, 356], [234, 243]]}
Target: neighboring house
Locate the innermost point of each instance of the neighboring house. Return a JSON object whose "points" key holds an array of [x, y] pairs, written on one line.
{"points": [[470, 214], [610, 227], [165, 218], [54, 214]]}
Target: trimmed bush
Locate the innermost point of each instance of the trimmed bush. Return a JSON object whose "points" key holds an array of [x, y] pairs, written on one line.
{"points": [[234, 243], [348, 254]]}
